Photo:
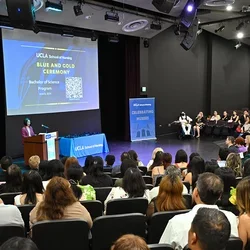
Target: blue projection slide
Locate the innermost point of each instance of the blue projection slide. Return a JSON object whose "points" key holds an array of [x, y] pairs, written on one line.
{"points": [[47, 73]]}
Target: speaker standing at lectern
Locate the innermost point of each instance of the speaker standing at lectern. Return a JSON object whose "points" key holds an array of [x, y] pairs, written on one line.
{"points": [[27, 130]]}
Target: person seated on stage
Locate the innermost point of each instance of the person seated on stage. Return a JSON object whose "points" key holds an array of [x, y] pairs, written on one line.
{"points": [[133, 186], [133, 156], [234, 162], [116, 170], [5, 162], [10, 214], [126, 164], [88, 162], [153, 156], [243, 117], [199, 124], [157, 167], [68, 163], [82, 192], [210, 229], [230, 142], [240, 144], [181, 159], [19, 243], [32, 189], [109, 162], [234, 118], [54, 168], [13, 180], [225, 116], [34, 162], [27, 130], [96, 177], [215, 117], [185, 123]]}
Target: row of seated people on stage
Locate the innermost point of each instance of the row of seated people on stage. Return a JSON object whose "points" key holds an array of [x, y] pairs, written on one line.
{"points": [[62, 184], [235, 124]]}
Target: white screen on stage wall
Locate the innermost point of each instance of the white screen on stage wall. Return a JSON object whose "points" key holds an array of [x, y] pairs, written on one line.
{"points": [[49, 73]]}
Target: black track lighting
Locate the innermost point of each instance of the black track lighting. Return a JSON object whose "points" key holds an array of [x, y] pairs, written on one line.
{"points": [[220, 29]]}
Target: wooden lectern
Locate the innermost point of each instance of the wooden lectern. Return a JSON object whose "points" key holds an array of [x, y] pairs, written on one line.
{"points": [[37, 145]]}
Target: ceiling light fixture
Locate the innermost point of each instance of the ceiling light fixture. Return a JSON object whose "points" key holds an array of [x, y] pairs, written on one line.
{"points": [[112, 16], [50, 6], [229, 8], [199, 32], [238, 45], [240, 35]]}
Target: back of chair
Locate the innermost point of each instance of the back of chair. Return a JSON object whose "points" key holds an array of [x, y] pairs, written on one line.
{"points": [[107, 229], [148, 179], [127, 205], [234, 243], [188, 201], [61, 234], [187, 185], [143, 169], [149, 186], [9, 231], [94, 208], [158, 181], [25, 212], [8, 198], [160, 247], [102, 193], [158, 222], [114, 180]]}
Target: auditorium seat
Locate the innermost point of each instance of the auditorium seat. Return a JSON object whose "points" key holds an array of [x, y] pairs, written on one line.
{"points": [[187, 184], [160, 247], [9, 231], [102, 193], [148, 179], [128, 205], [149, 173], [95, 208], [188, 200], [25, 212], [149, 186], [143, 169], [8, 198], [158, 222], [107, 229], [158, 181], [61, 234], [114, 180]]}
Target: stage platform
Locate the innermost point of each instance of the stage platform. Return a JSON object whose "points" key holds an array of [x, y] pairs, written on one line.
{"points": [[207, 147]]}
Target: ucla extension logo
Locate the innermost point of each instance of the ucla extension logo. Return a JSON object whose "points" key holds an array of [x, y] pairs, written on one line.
{"points": [[79, 148]]}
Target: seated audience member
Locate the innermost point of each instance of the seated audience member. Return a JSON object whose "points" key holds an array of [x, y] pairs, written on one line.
{"points": [[171, 171], [169, 197], [134, 156], [228, 177], [234, 162], [215, 117], [10, 214], [59, 203], [54, 168], [199, 124], [225, 117], [195, 168], [64, 159], [82, 193], [246, 168], [223, 154], [181, 159], [245, 130], [34, 162], [96, 177], [247, 141], [246, 155], [32, 189], [43, 168], [18, 243], [126, 164], [208, 190], [240, 144], [133, 186], [242, 200], [167, 160], [13, 180], [70, 161], [157, 167], [117, 169], [130, 242], [210, 229], [5, 162], [210, 167], [109, 162], [153, 156], [88, 162], [234, 117], [230, 142]]}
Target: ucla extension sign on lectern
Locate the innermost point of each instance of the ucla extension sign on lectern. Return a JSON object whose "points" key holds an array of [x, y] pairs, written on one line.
{"points": [[142, 119]]}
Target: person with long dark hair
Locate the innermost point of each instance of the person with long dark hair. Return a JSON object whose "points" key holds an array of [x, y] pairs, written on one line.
{"points": [[181, 159], [32, 189]]}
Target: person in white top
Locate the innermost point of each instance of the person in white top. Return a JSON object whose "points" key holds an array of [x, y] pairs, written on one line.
{"points": [[208, 190], [133, 186], [210, 229], [10, 214], [153, 156], [185, 123]]}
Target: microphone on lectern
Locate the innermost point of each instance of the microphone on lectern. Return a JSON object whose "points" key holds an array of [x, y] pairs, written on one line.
{"points": [[44, 126]]}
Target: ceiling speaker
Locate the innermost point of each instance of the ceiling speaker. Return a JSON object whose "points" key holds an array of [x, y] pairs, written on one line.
{"points": [[21, 13]]}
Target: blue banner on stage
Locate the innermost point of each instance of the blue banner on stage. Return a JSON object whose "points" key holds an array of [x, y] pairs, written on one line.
{"points": [[142, 118]]}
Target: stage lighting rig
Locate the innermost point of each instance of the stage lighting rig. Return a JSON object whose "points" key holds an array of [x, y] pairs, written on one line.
{"points": [[220, 29], [78, 8], [112, 16], [53, 6]]}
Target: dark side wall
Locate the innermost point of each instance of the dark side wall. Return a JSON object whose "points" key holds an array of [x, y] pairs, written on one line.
{"points": [[210, 76]]}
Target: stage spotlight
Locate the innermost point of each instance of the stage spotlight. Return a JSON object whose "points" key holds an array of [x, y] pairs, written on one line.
{"points": [[240, 35], [199, 32], [229, 8], [146, 43], [238, 45], [111, 16], [189, 14], [53, 6], [78, 10], [220, 29], [113, 39]]}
